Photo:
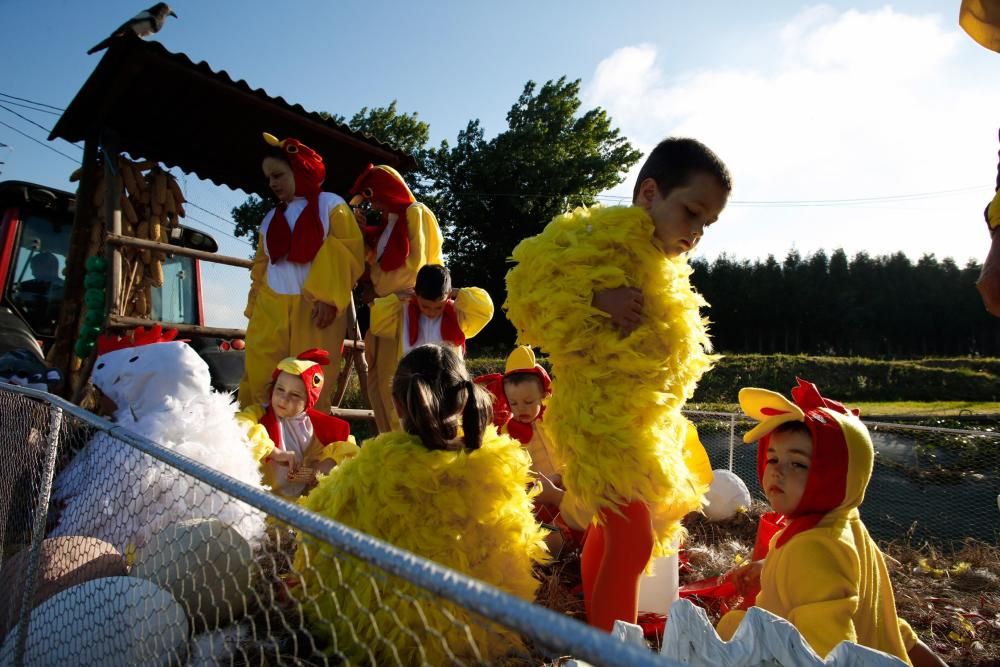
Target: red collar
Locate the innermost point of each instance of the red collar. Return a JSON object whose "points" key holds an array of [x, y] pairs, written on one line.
{"points": [[450, 330]]}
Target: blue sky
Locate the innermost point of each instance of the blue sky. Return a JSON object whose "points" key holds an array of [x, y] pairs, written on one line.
{"points": [[889, 106]]}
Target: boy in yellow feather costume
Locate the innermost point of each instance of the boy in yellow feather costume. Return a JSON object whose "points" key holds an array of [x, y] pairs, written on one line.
{"points": [[310, 255], [401, 236], [433, 312], [823, 572], [605, 293], [456, 499]]}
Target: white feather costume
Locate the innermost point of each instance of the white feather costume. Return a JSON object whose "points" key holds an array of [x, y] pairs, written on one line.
{"points": [[115, 493]]}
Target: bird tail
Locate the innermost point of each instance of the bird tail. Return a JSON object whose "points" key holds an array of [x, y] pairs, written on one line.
{"points": [[99, 47]]}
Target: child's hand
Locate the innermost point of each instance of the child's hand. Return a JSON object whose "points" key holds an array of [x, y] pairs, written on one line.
{"points": [[323, 314], [623, 304], [303, 475], [551, 494], [280, 456], [746, 578]]}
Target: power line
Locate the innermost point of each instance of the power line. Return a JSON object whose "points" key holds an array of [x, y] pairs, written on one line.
{"points": [[38, 125], [41, 104], [749, 203], [40, 143], [31, 108]]}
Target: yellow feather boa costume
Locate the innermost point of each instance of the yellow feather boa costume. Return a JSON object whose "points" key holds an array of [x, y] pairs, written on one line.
{"points": [[615, 409], [465, 510]]}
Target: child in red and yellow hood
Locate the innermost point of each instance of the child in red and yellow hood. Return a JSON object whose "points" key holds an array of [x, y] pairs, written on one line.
{"points": [[519, 395], [309, 257], [401, 237], [823, 573], [293, 441]]}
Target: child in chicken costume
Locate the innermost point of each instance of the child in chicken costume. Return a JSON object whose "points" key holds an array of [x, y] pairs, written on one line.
{"points": [[519, 394], [447, 488], [295, 445], [401, 236], [309, 257], [160, 389], [434, 314], [823, 572], [632, 463]]}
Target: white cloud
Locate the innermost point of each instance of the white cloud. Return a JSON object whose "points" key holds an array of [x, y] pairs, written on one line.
{"points": [[849, 105]]}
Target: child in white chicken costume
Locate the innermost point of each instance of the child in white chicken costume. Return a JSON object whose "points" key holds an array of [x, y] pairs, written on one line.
{"points": [[160, 389]]}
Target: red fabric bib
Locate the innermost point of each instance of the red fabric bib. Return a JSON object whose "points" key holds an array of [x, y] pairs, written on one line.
{"points": [[301, 244], [450, 331], [520, 431], [397, 248], [326, 428]]}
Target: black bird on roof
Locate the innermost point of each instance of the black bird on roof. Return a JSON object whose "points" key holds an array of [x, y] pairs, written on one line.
{"points": [[144, 23]]}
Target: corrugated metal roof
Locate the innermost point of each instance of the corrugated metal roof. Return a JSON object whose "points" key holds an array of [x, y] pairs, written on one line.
{"points": [[163, 106]]}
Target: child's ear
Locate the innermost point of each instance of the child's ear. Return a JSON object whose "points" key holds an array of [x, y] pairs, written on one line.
{"points": [[648, 191]]}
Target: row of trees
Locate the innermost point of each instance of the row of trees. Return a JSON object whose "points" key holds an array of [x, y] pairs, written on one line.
{"points": [[490, 194], [884, 306]]}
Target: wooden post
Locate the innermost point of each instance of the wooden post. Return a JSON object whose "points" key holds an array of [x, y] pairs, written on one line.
{"points": [[61, 356], [112, 222]]}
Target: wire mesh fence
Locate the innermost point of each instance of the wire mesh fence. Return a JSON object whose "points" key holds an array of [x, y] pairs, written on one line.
{"points": [[150, 557], [936, 484]]}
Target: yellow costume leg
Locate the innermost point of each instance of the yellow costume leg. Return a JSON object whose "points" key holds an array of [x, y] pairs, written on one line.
{"points": [[304, 335], [267, 344], [380, 352]]}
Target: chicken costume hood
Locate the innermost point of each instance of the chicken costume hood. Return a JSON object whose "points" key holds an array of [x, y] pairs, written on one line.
{"points": [[162, 391], [301, 244], [384, 183], [520, 362], [842, 454]]}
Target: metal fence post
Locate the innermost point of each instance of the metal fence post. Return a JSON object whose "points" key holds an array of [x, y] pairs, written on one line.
{"points": [[37, 533], [732, 439]]}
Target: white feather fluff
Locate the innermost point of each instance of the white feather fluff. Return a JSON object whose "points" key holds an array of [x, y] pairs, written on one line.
{"points": [[115, 493]]}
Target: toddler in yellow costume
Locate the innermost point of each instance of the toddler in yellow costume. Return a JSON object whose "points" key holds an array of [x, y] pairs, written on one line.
{"points": [[604, 292], [433, 312], [823, 572], [310, 255], [447, 488], [401, 236]]}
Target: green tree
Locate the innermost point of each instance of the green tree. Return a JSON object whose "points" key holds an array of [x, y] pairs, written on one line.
{"points": [[491, 194], [403, 131]]}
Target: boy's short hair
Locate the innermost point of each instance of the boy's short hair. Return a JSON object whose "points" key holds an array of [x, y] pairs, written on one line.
{"points": [[793, 427], [516, 379], [675, 159], [433, 282]]}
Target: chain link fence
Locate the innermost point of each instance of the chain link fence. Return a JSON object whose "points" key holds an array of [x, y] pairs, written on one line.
{"points": [[940, 485], [171, 562]]}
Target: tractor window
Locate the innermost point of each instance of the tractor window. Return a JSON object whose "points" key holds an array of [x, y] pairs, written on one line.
{"points": [[175, 302], [37, 285]]}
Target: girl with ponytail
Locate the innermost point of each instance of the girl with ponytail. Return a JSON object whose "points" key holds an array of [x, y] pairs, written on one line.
{"points": [[448, 488]]}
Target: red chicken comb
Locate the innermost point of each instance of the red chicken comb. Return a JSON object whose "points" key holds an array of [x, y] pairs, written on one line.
{"points": [[316, 355], [136, 338]]}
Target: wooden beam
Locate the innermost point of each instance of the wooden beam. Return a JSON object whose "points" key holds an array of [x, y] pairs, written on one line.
{"points": [[128, 241], [350, 413], [123, 322], [61, 354]]}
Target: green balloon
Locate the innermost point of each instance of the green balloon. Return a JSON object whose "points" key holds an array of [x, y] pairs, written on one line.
{"points": [[96, 264], [94, 280], [90, 334], [93, 318], [94, 298], [81, 349]]}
